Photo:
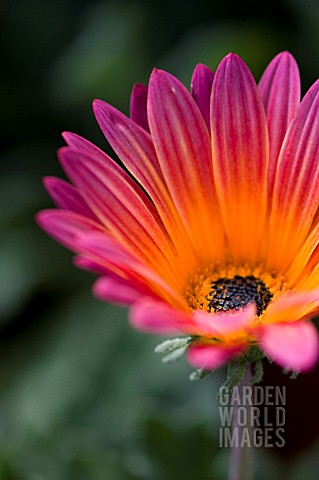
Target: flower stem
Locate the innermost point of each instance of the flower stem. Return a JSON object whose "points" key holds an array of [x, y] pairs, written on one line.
{"points": [[241, 465]]}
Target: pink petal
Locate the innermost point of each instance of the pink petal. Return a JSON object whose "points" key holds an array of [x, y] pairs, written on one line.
{"points": [[130, 142], [294, 346], [120, 290], [182, 144], [224, 323], [67, 197], [89, 150], [180, 137], [85, 264], [201, 87], [138, 105], [134, 147], [116, 201], [112, 287], [106, 249], [295, 195], [98, 252], [152, 315], [207, 356], [280, 91], [107, 252], [158, 317], [67, 227], [101, 253], [76, 142], [240, 156]]}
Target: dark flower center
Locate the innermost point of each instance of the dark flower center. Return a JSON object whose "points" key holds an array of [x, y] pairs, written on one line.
{"points": [[237, 292]]}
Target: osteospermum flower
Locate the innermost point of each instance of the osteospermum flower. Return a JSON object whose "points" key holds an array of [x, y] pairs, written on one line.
{"points": [[215, 232]]}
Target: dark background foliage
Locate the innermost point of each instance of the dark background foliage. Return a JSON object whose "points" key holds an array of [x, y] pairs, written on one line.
{"points": [[82, 395]]}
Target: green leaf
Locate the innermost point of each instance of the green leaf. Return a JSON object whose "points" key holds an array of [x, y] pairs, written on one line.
{"points": [[235, 373], [174, 356], [258, 373], [199, 374], [171, 345]]}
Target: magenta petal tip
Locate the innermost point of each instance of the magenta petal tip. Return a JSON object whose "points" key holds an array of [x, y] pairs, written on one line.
{"points": [[210, 356], [294, 346]]}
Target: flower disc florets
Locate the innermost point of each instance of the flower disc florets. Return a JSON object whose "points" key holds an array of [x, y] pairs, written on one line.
{"points": [[228, 288], [237, 292]]}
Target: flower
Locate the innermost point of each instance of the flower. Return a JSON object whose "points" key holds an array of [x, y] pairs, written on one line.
{"points": [[214, 231]]}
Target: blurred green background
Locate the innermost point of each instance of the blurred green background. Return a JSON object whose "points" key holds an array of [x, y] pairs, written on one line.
{"points": [[82, 395]]}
